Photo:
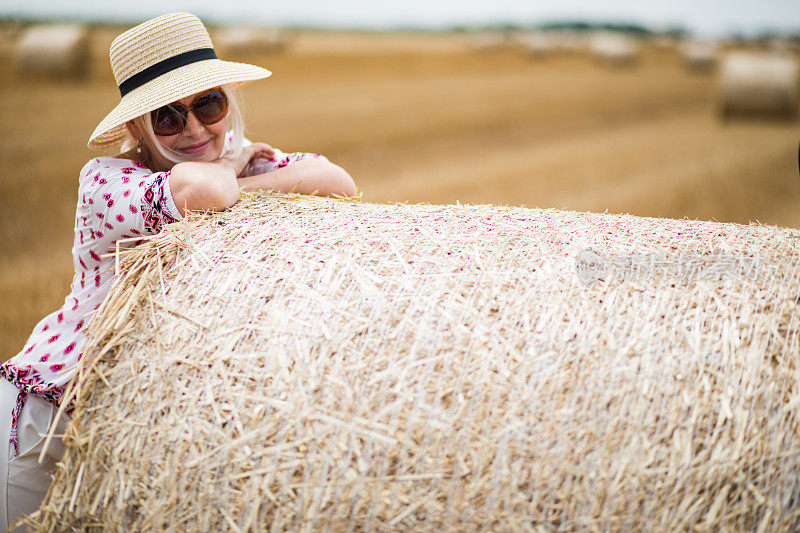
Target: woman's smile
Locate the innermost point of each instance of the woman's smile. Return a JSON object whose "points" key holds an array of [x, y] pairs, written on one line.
{"points": [[195, 149]]}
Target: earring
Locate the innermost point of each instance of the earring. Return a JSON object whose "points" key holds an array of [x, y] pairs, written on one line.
{"points": [[139, 146]]}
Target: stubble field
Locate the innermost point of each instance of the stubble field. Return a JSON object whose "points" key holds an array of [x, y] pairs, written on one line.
{"points": [[417, 118]]}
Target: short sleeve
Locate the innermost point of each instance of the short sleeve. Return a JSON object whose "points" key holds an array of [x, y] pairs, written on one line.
{"points": [[126, 199], [282, 159], [279, 160]]}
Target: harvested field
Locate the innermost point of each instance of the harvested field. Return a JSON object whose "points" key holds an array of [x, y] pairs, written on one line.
{"points": [[417, 118], [302, 364]]}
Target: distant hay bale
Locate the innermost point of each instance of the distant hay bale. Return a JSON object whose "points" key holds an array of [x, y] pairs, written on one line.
{"points": [[699, 56], [536, 44], [570, 42], [244, 40], [53, 51], [488, 41], [782, 45], [310, 364], [665, 43], [757, 83], [614, 49]]}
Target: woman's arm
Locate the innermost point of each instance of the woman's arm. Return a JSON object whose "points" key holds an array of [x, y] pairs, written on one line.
{"points": [[307, 176], [212, 186], [203, 186]]}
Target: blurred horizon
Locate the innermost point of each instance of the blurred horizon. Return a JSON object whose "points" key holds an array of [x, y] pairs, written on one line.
{"points": [[703, 19]]}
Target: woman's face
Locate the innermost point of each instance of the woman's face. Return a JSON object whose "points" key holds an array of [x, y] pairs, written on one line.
{"points": [[197, 141]]}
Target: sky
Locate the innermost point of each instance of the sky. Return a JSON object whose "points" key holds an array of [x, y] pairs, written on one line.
{"points": [[702, 17]]}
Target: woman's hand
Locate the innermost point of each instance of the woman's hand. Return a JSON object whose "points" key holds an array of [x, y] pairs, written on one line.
{"points": [[257, 165], [239, 164]]}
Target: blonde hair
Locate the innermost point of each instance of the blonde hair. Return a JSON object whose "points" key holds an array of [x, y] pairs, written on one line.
{"points": [[144, 124]]}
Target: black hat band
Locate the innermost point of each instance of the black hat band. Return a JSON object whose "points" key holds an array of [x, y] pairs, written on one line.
{"points": [[164, 66]]}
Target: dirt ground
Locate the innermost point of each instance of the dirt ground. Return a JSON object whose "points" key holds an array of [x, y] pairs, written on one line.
{"points": [[417, 118]]}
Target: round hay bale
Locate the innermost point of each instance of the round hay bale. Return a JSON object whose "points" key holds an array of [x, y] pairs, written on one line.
{"points": [[570, 42], [488, 41], [614, 49], [242, 41], [665, 43], [53, 51], [700, 57], [758, 83], [536, 44], [781, 45], [311, 364]]}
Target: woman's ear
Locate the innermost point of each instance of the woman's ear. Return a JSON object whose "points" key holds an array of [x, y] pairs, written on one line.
{"points": [[135, 133], [132, 129]]}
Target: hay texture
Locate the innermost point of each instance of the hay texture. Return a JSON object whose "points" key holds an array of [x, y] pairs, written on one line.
{"points": [[53, 51], [759, 83], [309, 364]]}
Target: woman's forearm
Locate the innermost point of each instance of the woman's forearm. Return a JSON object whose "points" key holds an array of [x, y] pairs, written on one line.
{"points": [[308, 176], [203, 186]]}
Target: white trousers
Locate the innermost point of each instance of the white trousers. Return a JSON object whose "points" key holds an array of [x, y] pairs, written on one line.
{"points": [[23, 479]]}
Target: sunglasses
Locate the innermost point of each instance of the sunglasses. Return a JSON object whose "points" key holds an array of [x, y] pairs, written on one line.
{"points": [[209, 107]]}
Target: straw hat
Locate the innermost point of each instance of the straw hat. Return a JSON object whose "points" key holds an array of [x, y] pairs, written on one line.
{"points": [[160, 61]]}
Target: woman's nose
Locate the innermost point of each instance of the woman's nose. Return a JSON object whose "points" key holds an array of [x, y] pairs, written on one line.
{"points": [[194, 127]]}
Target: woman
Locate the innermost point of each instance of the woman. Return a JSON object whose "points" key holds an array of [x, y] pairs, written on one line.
{"points": [[181, 131]]}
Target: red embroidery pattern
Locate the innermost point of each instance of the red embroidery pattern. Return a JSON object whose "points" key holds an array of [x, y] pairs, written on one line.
{"points": [[155, 214], [293, 158], [27, 379], [15, 413]]}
